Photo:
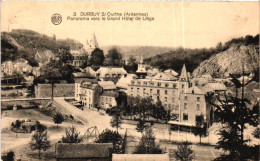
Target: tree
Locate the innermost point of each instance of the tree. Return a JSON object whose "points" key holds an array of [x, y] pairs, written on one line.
{"points": [[10, 156], [40, 127], [72, 136], [159, 111], [97, 57], [65, 56], [116, 120], [147, 144], [256, 133], [132, 65], [58, 119], [234, 114], [109, 136], [40, 142], [184, 152], [113, 58], [201, 127], [140, 126]]}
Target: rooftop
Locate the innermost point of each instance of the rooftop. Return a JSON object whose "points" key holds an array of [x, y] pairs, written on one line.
{"points": [[195, 90], [102, 71], [106, 85], [140, 157], [214, 87], [75, 151], [110, 94]]}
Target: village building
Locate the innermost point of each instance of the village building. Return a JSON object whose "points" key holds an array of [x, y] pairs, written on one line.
{"points": [[110, 73], [79, 57], [20, 66], [124, 81], [192, 105], [89, 94], [215, 87], [163, 87], [78, 82], [107, 99], [7, 68], [107, 85], [171, 72], [83, 152]]}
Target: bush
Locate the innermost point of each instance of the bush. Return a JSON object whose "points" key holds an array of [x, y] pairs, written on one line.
{"points": [[40, 127]]}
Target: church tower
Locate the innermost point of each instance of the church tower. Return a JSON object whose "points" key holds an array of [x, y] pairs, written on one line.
{"points": [[184, 75], [92, 44], [141, 71]]}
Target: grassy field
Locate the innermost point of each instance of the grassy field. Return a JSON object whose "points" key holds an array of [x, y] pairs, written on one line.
{"points": [[19, 142]]}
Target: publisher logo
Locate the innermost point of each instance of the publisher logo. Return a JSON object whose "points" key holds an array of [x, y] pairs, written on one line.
{"points": [[56, 19]]}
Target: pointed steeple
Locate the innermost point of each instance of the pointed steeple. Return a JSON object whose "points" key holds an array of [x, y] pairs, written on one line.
{"points": [[93, 41], [141, 60], [184, 74]]}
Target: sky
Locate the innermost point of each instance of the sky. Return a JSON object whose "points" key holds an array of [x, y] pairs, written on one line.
{"points": [[187, 24]]}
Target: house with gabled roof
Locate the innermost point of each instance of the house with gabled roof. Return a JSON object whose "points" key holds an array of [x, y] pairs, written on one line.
{"points": [[110, 73]]}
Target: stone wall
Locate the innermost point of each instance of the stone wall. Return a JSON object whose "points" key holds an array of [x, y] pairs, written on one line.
{"points": [[59, 90]]}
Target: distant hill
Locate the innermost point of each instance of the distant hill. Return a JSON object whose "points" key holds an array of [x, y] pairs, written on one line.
{"points": [[202, 59], [137, 51], [29, 45]]}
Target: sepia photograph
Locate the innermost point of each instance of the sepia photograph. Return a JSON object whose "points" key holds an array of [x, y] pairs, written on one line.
{"points": [[130, 80]]}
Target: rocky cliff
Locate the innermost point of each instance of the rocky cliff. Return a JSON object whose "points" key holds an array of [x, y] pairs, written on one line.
{"points": [[230, 61]]}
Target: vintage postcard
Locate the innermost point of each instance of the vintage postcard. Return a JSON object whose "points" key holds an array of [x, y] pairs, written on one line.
{"points": [[129, 80]]}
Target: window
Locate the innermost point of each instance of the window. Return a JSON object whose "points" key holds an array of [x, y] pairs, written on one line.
{"points": [[138, 83], [173, 92], [185, 116], [132, 89], [152, 83], [185, 98], [151, 90], [138, 90], [144, 90], [185, 106], [198, 107], [166, 85], [159, 84], [174, 85], [145, 83], [198, 118], [198, 99], [182, 85], [165, 99], [132, 82], [166, 92], [173, 99], [158, 91], [110, 99]]}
